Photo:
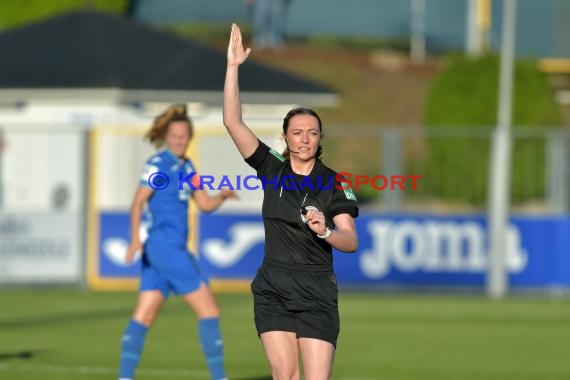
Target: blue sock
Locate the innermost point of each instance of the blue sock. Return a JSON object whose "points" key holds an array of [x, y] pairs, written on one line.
{"points": [[131, 349], [212, 346]]}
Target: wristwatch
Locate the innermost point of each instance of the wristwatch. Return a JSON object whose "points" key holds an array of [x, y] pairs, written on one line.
{"points": [[326, 235]]}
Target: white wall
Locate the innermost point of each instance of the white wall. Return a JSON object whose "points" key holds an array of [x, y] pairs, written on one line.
{"points": [[36, 165]]}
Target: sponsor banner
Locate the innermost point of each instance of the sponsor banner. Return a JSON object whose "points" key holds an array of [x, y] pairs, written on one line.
{"points": [[398, 250], [231, 245], [410, 250], [40, 248], [431, 250], [114, 238]]}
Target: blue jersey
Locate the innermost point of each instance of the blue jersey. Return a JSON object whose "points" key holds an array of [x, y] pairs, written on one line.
{"points": [[167, 264], [168, 206]]}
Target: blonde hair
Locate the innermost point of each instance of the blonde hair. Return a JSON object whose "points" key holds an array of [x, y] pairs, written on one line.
{"points": [[176, 112]]}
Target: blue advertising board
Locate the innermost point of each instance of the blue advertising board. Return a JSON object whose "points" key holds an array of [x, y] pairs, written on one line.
{"points": [[408, 250], [107, 268], [114, 229], [399, 250]]}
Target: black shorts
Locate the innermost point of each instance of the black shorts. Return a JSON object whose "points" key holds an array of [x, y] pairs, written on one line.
{"points": [[298, 298]]}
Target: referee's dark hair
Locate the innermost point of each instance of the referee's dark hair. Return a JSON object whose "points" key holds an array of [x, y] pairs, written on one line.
{"points": [[302, 111]]}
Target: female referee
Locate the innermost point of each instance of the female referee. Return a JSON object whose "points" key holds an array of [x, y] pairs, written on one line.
{"points": [[167, 266], [295, 292]]}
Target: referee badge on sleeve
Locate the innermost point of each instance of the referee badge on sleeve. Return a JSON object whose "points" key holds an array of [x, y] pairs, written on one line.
{"points": [[348, 191]]}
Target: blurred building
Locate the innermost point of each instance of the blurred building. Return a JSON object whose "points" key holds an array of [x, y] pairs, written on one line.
{"points": [[77, 93]]}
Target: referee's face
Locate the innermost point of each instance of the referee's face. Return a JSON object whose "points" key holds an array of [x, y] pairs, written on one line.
{"points": [[177, 137], [303, 136]]}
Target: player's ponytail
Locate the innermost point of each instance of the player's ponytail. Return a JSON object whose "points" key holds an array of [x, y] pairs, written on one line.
{"points": [[176, 112]]}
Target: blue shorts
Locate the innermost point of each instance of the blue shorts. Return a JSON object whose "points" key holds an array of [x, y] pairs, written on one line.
{"points": [[170, 268]]}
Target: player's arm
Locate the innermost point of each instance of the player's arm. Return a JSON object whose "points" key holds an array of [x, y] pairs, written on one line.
{"points": [[243, 137], [141, 197], [208, 203]]}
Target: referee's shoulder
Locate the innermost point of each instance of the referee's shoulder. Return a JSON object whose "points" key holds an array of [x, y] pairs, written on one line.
{"points": [[327, 171]]}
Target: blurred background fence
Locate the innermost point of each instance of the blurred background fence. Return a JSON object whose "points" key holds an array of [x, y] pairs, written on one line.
{"points": [[47, 168], [454, 167], [67, 191]]}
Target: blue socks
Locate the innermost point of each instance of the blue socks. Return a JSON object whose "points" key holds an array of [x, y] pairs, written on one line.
{"points": [[212, 346], [210, 341], [131, 349]]}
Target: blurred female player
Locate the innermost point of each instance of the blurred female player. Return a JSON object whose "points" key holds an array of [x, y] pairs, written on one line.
{"points": [[167, 266]]}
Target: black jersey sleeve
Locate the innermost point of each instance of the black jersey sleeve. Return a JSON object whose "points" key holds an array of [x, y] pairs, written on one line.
{"points": [[343, 200], [265, 160]]}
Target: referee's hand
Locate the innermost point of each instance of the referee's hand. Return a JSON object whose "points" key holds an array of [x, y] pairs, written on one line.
{"points": [[316, 222], [236, 52]]}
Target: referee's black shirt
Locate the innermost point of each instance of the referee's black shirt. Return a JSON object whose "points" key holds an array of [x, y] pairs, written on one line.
{"points": [[287, 238]]}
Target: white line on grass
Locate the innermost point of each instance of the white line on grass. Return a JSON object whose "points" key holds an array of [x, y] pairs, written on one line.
{"points": [[105, 371], [84, 370]]}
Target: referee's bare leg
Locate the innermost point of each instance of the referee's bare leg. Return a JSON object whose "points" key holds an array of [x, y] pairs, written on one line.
{"points": [[318, 356], [282, 350]]}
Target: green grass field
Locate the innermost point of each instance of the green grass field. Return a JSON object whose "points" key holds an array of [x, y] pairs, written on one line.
{"points": [[68, 334]]}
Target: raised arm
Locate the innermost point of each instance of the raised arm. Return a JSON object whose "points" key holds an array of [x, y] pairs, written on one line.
{"points": [[244, 139]]}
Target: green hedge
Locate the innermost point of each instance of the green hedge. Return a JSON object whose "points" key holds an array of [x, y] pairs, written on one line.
{"points": [[465, 95], [14, 13], [466, 91]]}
